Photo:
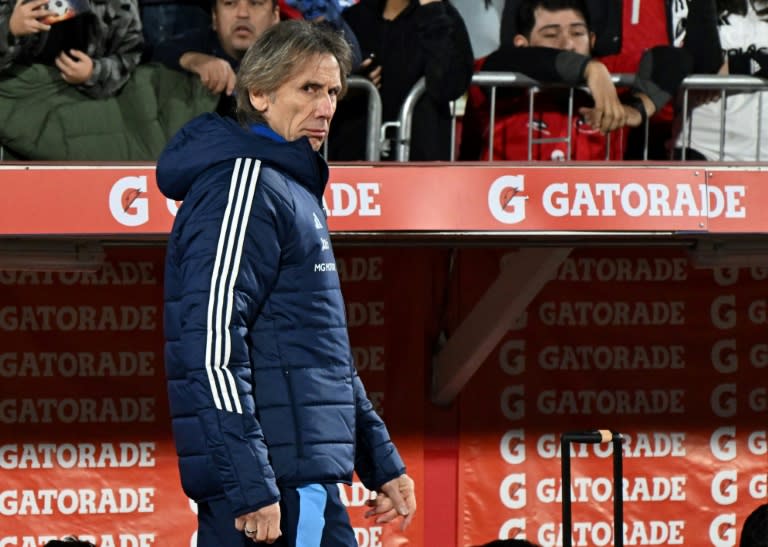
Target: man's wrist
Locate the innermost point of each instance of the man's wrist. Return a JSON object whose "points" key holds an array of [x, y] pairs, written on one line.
{"points": [[189, 60], [637, 103]]}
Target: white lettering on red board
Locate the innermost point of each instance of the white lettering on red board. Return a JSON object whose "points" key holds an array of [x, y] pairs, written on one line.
{"points": [[129, 204], [121, 273], [77, 455], [81, 364], [80, 501], [623, 270], [78, 318], [80, 411], [612, 402], [600, 489], [724, 400], [103, 540], [613, 357], [599, 534], [641, 445], [610, 313], [507, 200]]}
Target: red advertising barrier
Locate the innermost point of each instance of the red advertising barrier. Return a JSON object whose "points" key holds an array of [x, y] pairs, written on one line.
{"points": [[116, 200], [630, 339], [636, 341], [86, 442]]}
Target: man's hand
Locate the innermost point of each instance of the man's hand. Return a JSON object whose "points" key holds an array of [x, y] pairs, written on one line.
{"points": [[262, 525], [374, 75], [215, 73], [698, 97], [396, 498], [634, 117], [76, 66], [608, 113], [25, 18]]}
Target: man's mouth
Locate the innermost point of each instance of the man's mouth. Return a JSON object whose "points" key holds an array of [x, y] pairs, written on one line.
{"points": [[242, 29]]}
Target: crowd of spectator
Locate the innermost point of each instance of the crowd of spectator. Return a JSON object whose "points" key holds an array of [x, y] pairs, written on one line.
{"points": [[626, 62]]}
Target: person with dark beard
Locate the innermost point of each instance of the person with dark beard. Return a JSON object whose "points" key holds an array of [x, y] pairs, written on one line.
{"points": [[214, 54]]}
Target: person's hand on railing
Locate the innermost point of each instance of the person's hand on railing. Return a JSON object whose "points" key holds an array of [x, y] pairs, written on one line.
{"points": [[638, 109], [608, 113], [698, 97]]}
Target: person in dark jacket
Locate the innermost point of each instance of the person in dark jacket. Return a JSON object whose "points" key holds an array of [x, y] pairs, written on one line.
{"points": [[214, 53], [645, 40], [268, 412], [164, 19], [409, 39], [554, 44], [95, 51]]}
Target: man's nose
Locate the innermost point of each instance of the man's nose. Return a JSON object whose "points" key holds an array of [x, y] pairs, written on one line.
{"points": [[326, 106], [242, 8]]}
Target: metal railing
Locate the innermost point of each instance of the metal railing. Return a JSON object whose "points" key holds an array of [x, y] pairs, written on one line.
{"points": [[724, 84], [373, 120], [494, 80]]}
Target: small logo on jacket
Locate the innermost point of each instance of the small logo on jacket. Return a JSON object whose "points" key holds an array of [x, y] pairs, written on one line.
{"points": [[325, 245], [318, 224]]}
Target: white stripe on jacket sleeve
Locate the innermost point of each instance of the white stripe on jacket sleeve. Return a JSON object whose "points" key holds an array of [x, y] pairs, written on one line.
{"points": [[242, 188]]}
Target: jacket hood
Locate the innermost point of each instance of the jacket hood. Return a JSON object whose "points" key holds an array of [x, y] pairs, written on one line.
{"points": [[210, 139]]}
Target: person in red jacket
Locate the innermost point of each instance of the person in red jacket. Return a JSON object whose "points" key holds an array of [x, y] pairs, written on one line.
{"points": [[554, 43]]}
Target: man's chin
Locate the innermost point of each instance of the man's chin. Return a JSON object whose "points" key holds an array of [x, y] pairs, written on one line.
{"points": [[241, 46], [316, 143]]}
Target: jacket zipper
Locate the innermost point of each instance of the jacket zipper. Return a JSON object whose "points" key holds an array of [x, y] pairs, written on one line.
{"points": [[294, 413]]}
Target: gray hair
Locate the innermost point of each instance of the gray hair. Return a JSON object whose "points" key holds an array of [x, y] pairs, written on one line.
{"points": [[278, 53]]}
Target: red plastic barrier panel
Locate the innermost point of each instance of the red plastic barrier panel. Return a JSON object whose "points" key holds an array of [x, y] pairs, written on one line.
{"points": [[635, 341], [108, 200], [85, 442]]}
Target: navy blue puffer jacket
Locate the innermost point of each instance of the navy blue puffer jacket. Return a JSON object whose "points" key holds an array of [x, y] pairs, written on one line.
{"points": [[262, 387]]}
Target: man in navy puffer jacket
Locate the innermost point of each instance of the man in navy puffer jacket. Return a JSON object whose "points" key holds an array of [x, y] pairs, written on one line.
{"points": [[268, 412]]}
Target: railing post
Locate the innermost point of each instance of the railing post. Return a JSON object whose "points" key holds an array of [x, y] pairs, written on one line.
{"points": [[373, 125], [405, 127], [592, 437]]}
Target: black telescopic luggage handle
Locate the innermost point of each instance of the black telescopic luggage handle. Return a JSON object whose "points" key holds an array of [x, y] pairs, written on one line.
{"points": [[593, 437]]}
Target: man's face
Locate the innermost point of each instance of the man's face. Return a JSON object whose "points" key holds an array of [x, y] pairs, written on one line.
{"points": [[305, 103], [239, 23], [564, 29]]}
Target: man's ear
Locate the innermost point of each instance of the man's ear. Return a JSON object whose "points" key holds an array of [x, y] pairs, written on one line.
{"points": [[592, 39], [259, 101], [520, 41]]}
